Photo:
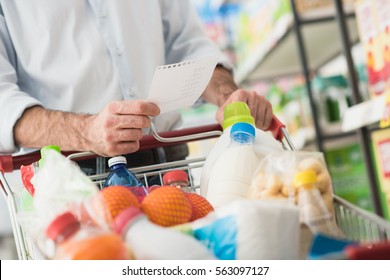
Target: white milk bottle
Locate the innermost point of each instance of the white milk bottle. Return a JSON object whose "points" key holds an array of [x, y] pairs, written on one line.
{"points": [[232, 172], [236, 112]]}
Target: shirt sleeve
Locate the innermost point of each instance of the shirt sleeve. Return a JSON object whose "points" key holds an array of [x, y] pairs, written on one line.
{"points": [[13, 101], [184, 35]]}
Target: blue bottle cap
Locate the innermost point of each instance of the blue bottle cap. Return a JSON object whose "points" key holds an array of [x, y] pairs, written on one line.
{"points": [[243, 127]]}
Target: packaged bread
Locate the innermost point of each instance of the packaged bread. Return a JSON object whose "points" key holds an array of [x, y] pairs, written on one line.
{"points": [[274, 177]]}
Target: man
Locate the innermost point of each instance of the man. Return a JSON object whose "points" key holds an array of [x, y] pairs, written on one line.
{"points": [[76, 73]]}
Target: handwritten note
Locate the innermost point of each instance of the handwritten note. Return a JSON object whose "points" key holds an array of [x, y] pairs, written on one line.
{"points": [[179, 85]]}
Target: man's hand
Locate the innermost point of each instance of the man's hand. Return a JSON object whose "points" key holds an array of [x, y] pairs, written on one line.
{"points": [[222, 91], [260, 107], [118, 128]]}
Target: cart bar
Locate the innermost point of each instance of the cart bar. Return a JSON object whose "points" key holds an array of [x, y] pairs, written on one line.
{"points": [[276, 128], [9, 163]]}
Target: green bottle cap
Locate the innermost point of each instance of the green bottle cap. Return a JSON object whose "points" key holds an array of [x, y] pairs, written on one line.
{"points": [[237, 112], [44, 153]]}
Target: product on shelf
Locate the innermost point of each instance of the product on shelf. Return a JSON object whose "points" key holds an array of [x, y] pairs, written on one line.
{"points": [[347, 168], [381, 147], [333, 98], [373, 19], [319, 7]]}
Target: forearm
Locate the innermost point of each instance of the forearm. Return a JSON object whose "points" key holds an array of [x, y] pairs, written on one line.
{"points": [[221, 86], [39, 127]]}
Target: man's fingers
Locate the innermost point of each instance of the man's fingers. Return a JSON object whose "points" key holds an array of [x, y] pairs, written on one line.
{"points": [[115, 149], [131, 107]]}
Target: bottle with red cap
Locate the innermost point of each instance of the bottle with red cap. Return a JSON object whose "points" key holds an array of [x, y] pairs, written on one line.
{"points": [[148, 241], [177, 178], [71, 240]]}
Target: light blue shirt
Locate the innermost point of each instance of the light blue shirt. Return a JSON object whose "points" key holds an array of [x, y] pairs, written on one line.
{"points": [[78, 55]]}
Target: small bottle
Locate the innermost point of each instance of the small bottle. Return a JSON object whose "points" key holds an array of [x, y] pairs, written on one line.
{"points": [[313, 211], [148, 241], [177, 178], [121, 176], [73, 241]]}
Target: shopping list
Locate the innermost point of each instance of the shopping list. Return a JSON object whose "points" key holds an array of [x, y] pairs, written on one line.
{"points": [[179, 85]]}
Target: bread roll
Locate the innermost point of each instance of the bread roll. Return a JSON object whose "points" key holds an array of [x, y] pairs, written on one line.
{"points": [[323, 181], [311, 163], [273, 184]]}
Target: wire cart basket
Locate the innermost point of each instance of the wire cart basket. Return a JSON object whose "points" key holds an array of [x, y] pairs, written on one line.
{"points": [[355, 223]]}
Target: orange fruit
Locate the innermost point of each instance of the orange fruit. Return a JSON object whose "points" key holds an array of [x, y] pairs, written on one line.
{"points": [[200, 206], [118, 198], [167, 206], [102, 247]]}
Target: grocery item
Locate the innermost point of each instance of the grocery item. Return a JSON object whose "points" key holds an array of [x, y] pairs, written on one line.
{"points": [[326, 247], [381, 148], [178, 178], [274, 176], [200, 206], [59, 186], [167, 206], [105, 205], [252, 230], [234, 113], [74, 241], [232, 172], [121, 176], [28, 171], [313, 211], [149, 241]]}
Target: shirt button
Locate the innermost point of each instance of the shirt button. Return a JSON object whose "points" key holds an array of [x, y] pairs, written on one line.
{"points": [[131, 93], [118, 52], [103, 14]]}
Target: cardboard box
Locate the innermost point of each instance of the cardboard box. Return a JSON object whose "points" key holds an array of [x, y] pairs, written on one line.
{"points": [[381, 148]]}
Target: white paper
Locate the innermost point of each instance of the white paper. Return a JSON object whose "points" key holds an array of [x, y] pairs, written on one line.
{"points": [[364, 113], [179, 85]]}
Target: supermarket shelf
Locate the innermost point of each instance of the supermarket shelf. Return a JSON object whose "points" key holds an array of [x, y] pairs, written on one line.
{"points": [[321, 38]]}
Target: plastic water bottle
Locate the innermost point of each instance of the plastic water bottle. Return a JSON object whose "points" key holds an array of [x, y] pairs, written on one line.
{"points": [[121, 176], [232, 172], [148, 241], [72, 240]]}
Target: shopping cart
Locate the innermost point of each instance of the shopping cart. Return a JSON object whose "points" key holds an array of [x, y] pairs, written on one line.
{"points": [[356, 224]]}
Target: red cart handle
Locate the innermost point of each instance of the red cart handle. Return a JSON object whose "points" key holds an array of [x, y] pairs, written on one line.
{"points": [[9, 163], [276, 128]]}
